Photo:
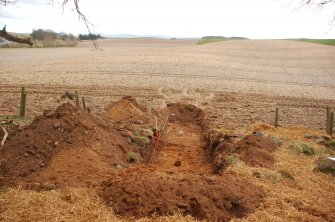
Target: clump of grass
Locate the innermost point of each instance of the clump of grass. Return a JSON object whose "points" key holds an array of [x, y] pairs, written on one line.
{"points": [[286, 174], [68, 95], [271, 176], [308, 150], [222, 161], [268, 175], [132, 157], [277, 140], [137, 132], [215, 130], [304, 148], [232, 159], [145, 140]]}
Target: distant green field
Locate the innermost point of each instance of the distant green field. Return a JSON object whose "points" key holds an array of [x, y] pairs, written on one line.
{"points": [[318, 41], [205, 41]]}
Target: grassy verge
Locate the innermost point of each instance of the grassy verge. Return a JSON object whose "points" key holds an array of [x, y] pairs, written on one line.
{"points": [[42, 44], [318, 41], [211, 40]]}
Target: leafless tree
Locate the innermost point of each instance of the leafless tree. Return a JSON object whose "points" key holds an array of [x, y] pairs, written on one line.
{"points": [[82, 17], [320, 4]]}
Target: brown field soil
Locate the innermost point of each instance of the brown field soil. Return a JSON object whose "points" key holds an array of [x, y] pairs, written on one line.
{"points": [[238, 82], [104, 165]]}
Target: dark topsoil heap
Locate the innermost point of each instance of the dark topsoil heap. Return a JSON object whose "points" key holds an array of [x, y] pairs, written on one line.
{"points": [[66, 147], [148, 192], [255, 150]]}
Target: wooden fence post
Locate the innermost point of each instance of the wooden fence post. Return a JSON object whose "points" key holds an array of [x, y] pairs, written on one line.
{"points": [[331, 123], [23, 101], [327, 119], [77, 98], [84, 103], [277, 118]]}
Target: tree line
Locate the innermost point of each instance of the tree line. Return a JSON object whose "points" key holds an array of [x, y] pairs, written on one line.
{"points": [[50, 35], [89, 36]]}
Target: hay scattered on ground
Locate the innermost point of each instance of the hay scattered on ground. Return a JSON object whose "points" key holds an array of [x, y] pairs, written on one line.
{"points": [[63, 205]]}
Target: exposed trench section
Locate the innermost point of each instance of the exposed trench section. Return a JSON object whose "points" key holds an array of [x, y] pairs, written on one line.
{"points": [[181, 149], [180, 178], [70, 147]]}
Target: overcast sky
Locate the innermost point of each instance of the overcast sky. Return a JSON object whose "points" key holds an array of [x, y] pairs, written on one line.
{"points": [[258, 19]]}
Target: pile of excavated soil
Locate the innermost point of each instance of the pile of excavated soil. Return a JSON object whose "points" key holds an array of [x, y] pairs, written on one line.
{"points": [[184, 113], [131, 120], [70, 147], [125, 110], [254, 150], [66, 147], [149, 192]]}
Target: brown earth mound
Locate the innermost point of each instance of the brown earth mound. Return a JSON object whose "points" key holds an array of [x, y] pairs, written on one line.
{"points": [[184, 113], [257, 150], [65, 147], [213, 198], [254, 150], [125, 110]]}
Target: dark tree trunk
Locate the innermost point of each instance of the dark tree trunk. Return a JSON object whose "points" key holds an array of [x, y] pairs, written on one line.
{"points": [[12, 38]]}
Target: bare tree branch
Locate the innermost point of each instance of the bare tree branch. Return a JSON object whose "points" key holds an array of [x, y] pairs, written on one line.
{"points": [[320, 4], [82, 17], [9, 37], [7, 2]]}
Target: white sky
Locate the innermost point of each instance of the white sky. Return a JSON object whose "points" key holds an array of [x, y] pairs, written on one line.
{"points": [[180, 18]]}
